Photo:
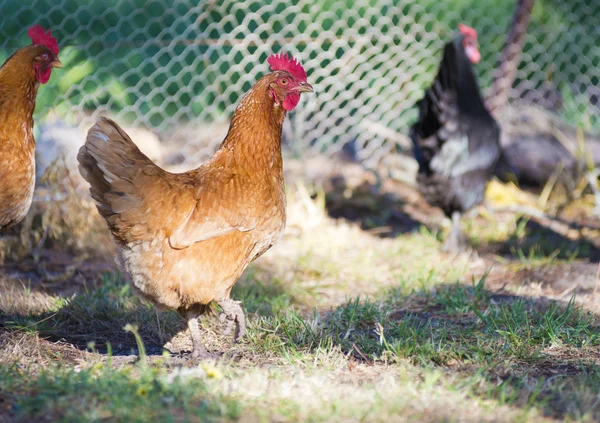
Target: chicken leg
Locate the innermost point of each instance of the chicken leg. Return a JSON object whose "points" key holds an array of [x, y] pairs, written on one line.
{"points": [[198, 349], [456, 240], [233, 313]]}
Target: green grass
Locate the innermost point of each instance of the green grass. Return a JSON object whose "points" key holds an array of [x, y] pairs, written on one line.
{"points": [[100, 394], [458, 323], [522, 343], [462, 338]]}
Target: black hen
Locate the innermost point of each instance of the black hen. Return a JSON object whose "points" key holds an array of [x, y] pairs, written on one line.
{"points": [[456, 140], [537, 145]]}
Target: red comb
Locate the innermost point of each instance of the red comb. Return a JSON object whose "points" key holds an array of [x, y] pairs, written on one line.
{"points": [[467, 31], [289, 64], [39, 36]]}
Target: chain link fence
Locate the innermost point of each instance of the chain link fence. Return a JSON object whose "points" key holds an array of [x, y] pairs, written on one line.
{"points": [[178, 68]]}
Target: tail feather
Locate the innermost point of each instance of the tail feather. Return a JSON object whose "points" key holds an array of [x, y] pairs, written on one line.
{"points": [[110, 161]]}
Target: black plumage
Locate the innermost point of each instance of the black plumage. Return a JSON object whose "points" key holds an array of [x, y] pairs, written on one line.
{"points": [[537, 145], [456, 140]]}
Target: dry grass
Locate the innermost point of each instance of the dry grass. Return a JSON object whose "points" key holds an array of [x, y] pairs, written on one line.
{"points": [[61, 219]]}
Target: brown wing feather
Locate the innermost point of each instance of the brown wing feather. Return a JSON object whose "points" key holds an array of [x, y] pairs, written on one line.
{"points": [[139, 200], [219, 204]]}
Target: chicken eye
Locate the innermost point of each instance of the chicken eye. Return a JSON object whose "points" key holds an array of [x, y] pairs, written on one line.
{"points": [[283, 81], [44, 56]]}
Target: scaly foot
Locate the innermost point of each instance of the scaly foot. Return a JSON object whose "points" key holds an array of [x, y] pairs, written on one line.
{"points": [[203, 354], [199, 352], [456, 241], [233, 313]]}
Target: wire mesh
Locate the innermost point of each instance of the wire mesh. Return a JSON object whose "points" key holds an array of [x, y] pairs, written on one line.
{"points": [[179, 67]]}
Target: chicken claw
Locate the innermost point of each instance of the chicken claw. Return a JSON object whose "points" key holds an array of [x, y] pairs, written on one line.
{"points": [[456, 241], [199, 352], [233, 313]]}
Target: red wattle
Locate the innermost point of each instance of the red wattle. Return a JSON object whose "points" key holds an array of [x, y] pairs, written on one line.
{"points": [[291, 101], [42, 76]]}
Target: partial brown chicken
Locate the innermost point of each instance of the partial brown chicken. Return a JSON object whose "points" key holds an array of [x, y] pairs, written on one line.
{"points": [[184, 239], [20, 77]]}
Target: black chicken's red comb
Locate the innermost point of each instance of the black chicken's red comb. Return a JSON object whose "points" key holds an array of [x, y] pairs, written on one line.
{"points": [[467, 31], [39, 36], [289, 64]]}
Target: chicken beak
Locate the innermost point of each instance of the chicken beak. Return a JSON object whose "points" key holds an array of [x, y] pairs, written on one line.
{"points": [[304, 87], [56, 64]]}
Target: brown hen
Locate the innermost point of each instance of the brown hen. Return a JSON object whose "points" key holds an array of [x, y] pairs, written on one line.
{"points": [[20, 77], [184, 239]]}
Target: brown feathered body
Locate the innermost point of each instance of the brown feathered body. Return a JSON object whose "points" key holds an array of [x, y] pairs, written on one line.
{"points": [[184, 239], [18, 90]]}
